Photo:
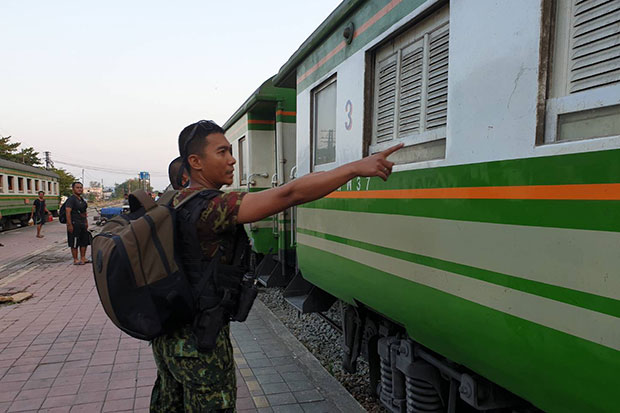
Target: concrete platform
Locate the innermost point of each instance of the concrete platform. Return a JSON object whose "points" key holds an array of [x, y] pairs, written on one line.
{"points": [[60, 353]]}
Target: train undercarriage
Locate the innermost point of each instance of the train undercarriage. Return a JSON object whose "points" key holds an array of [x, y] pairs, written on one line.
{"points": [[409, 378], [404, 375]]}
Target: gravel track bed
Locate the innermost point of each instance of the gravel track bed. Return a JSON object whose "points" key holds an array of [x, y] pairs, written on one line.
{"points": [[324, 342]]}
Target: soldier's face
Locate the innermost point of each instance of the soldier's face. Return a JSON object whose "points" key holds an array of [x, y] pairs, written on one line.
{"points": [[218, 162]]}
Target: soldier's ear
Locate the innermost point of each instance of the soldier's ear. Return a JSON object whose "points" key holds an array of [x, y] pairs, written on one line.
{"points": [[195, 162]]}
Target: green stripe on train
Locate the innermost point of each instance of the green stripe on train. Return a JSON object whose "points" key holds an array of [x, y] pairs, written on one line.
{"points": [[600, 167], [582, 168], [554, 370], [581, 299]]}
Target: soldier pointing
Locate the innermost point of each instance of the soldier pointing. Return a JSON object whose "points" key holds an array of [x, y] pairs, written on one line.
{"points": [[190, 378]]}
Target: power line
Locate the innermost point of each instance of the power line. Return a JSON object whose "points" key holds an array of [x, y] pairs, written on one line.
{"points": [[107, 169]]}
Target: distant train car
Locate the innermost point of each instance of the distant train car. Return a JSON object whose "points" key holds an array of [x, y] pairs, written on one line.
{"points": [[262, 133], [485, 272], [19, 187]]}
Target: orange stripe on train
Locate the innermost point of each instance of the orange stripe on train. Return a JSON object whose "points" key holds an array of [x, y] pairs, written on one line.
{"points": [[596, 192]]}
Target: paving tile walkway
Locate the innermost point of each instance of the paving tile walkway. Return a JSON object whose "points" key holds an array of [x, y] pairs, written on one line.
{"points": [[21, 244], [60, 353]]}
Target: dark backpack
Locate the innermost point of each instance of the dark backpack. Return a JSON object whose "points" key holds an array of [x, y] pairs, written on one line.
{"points": [[62, 213], [141, 280]]}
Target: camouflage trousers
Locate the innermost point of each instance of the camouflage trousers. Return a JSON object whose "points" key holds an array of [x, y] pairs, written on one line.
{"points": [[192, 381]]}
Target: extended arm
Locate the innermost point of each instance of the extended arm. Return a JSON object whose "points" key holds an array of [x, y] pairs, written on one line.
{"points": [[258, 205]]}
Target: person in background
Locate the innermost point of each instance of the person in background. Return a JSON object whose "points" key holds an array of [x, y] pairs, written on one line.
{"points": [[173, 174], [125, 198], [39, 213], [77, 224]]}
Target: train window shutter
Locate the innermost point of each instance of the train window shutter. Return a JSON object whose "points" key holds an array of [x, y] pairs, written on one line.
{"points": [[437, 89], [386, 99], [410, 89], [594, 44], [585, 72], [410, 101]]}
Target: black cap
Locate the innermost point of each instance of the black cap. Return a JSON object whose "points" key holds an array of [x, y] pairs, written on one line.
{"points": [[190, 131]]}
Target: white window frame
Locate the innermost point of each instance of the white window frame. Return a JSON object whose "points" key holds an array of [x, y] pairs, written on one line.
{"points": [[10, 179], [313, 120], [560, 100], [420, 33]]}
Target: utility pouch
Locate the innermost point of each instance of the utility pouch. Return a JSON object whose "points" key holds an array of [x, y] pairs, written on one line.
{"points": [[207, 326], [247, 295]]}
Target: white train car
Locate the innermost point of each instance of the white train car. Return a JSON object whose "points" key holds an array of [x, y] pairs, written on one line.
{"points": [[489, 260]]}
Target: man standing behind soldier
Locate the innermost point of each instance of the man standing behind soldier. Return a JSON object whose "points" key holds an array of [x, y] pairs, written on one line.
{"points": [[77, 224], [173, 174], [39, 213]]}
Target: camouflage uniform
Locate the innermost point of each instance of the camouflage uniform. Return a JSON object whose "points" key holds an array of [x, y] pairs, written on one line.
{"points": [[187, 379]]}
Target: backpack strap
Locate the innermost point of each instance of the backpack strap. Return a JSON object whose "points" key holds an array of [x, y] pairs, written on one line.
{"points": [[187, 213], [166, 197]]}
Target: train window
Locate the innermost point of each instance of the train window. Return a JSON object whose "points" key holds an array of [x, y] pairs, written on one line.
{"points": [[410, 90], [55, 188], [11, 183], [243, 160], [20, 184], [36, 185], [585, 72], [29, 184], [49, 187], [1, 183], [324, 122]]}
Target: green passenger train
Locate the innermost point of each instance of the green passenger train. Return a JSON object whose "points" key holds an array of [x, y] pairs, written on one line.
{"points": [[262, 133], [484, 274], [19, 187]]}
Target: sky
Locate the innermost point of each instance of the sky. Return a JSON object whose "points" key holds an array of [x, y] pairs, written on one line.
{"points": [[109, 85]]}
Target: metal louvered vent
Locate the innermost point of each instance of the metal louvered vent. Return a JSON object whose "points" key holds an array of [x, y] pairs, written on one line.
{"points": [[595, 44], [386, 100], [410, 91], [437, 90]]}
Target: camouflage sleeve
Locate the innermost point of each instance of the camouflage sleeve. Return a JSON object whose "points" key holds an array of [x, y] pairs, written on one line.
{"points": [[220, 215]]}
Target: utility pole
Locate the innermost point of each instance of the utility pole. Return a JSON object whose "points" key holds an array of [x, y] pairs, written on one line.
{"points": [[82, 176], [48, 160]]}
